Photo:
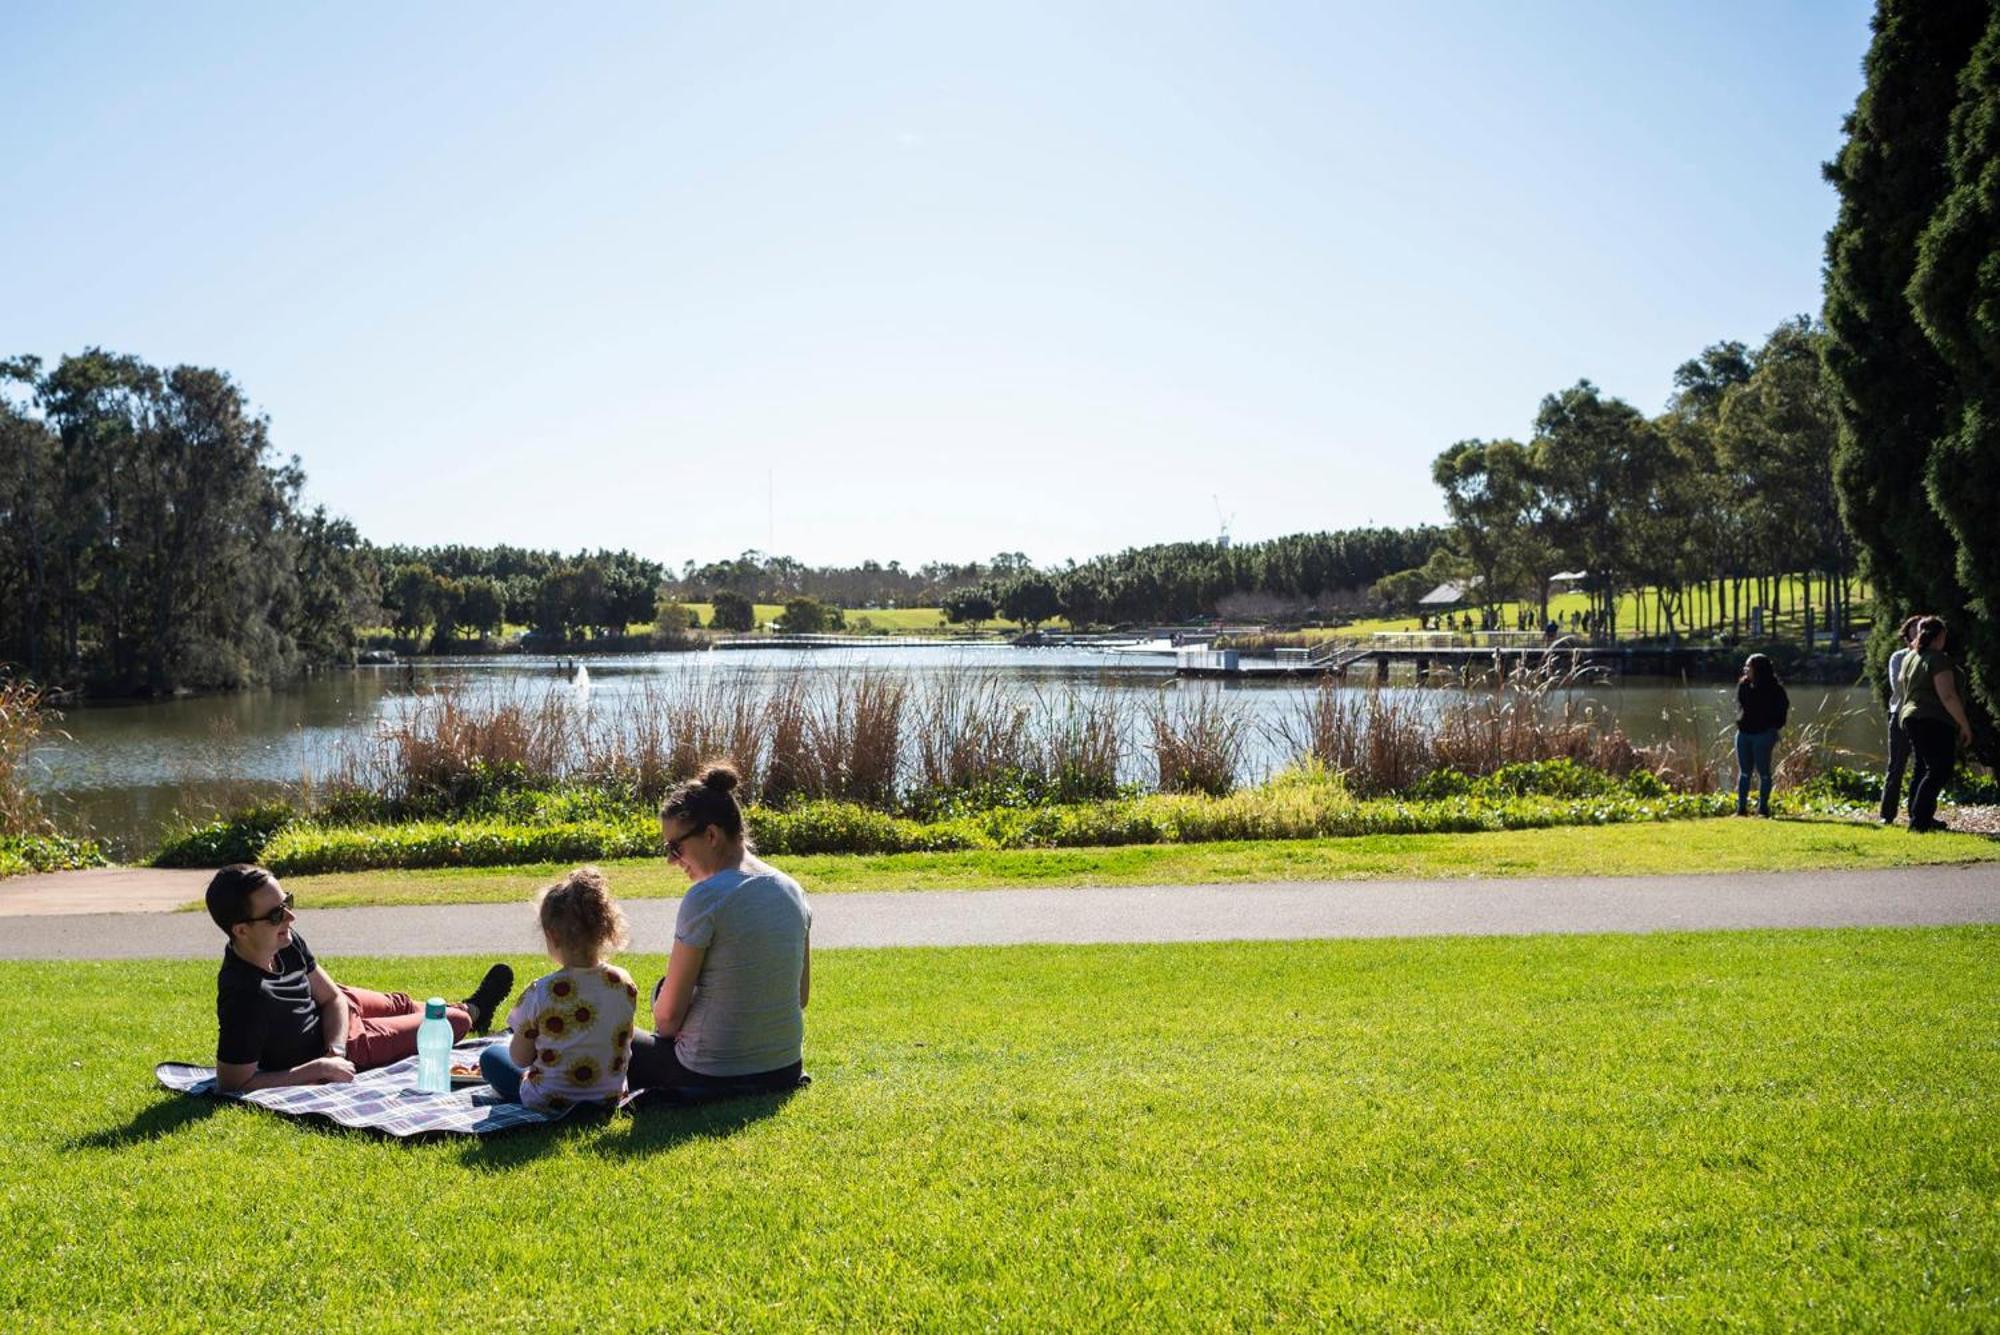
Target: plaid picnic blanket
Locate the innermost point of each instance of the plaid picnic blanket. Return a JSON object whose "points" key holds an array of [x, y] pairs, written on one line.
{"points": [[385, 1099]]}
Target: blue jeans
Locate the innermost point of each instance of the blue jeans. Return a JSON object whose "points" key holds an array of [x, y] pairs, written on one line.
{"points": [[501, 1072], [1753, 751]]}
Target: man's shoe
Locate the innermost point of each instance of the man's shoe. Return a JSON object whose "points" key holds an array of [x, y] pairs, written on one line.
{"points": [[486, 998]]}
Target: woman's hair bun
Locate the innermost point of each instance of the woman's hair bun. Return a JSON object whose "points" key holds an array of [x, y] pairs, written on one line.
{"points": [[722, 778]]}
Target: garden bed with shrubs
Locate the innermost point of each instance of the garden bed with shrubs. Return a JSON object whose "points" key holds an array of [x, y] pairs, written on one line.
{"points": [[560, 826]]}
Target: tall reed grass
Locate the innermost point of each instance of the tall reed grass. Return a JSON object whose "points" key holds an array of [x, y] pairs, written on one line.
{"points": [[25, 723], [1382, 741], [1198, 740], [900, 744]]}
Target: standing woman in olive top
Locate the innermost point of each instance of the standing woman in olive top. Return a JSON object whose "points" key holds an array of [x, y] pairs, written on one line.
{"points": [[1934, 717], [1761, 710], [731, 1011], [1899, 741]]}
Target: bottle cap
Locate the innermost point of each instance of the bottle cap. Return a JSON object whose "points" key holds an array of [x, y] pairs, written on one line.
{"points": [[434, 1009]]}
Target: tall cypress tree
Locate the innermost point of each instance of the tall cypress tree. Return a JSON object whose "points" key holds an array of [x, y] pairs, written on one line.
{"points": [[1956, 296], [1894, 394]]}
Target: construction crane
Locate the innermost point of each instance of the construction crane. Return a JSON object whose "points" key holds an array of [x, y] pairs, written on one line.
{"points": [[1222, 522]]}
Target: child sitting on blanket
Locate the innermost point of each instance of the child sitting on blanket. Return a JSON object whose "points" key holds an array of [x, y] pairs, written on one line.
{"points": [[572, 1028]]}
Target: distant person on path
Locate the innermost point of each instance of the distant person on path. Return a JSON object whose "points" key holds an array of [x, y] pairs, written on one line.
{"points": [[1761, 710], [572, 1028], [1899, 740], [282, 1021], [730, 1013], [1933, 714]]}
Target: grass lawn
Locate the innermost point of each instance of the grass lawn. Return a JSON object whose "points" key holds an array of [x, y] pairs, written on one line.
{"points": [[1790, 625], [1744, 1129], [1631, 850]]}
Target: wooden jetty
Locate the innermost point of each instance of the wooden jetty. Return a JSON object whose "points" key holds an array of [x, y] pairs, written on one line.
{"points": [[1498, 654]]}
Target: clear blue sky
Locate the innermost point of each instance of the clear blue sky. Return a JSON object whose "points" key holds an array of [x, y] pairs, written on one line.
{"points": [[1023, 276]]}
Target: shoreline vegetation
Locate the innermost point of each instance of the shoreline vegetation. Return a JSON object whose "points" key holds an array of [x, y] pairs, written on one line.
{"points": [[867, 763], [29, 840]]}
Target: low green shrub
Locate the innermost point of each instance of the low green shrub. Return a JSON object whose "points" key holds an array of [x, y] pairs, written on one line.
{"points": [[305, 848], [580, 824], [23, 853], [1539, 778], [239, 837], [848, 827], [1864, 788]]}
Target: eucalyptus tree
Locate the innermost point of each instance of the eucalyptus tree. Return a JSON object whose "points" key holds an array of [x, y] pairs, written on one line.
{"points": [[1486, 485], [1597, 458]]}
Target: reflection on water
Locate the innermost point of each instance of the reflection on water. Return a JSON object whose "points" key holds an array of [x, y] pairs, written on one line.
{"points": [[128, 769]]}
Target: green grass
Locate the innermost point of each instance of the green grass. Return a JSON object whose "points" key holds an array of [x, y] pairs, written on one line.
{"points": [[1630, 850], [1747, 1130], [1791, 624]]}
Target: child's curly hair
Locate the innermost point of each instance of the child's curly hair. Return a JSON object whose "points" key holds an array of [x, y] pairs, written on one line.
{"points": [[578, 914]]}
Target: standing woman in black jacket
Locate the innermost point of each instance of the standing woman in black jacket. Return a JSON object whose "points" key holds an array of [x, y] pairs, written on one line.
{"points": [[1761, 709]]}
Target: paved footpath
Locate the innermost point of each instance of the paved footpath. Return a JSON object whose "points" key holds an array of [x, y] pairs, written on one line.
{"points": [[1900, 897]]}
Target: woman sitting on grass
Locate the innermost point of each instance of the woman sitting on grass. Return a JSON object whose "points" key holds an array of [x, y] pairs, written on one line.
{"points": [[572, 1028], [281, 1020], [730, 1014]]}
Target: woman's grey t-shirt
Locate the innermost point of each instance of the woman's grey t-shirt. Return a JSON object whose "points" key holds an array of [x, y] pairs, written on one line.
{"points": [[745, 1016]]}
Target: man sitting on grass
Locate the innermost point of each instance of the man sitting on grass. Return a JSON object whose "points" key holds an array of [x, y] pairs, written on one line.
{"points": [[283, 1021]]}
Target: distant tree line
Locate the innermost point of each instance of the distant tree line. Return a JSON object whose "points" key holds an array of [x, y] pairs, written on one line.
{"points": [[1164, 582], [151, 540], [1913, 310], [454, 592], [1702, 506]]}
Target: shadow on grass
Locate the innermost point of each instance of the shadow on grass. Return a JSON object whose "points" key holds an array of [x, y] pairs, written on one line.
{"points": [[657, 1129], [514, 1148], [643, 1131], [150, 1123]]}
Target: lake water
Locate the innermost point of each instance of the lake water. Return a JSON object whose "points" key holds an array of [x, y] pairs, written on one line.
{"points": [[126, 769]]}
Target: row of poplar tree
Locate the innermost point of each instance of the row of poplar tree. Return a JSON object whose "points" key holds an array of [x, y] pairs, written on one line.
{"points": [[1913, 329]]}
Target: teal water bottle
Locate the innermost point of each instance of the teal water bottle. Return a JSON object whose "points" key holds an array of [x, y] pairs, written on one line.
{"points": [[434, 1050]]}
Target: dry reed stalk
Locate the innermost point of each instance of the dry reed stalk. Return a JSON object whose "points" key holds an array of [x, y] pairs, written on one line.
{"points": [[1807, 750], [1395, 745], [1080, 742], [25, 723], [854, 733], [969, 728], [790, 770], [445, 738], [714, 719], [1198, 739], [630, 745], [1325, 726]]}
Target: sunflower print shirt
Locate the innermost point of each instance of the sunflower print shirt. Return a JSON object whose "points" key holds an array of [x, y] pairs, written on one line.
{"points": [[581, 1022]]}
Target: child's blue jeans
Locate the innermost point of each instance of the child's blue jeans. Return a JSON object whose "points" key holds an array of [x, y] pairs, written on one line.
{"points": [[501, 1072], [1753, 751]]}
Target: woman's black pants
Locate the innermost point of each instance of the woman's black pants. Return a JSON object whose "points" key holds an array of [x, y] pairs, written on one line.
{"points": [[1933, 747]]}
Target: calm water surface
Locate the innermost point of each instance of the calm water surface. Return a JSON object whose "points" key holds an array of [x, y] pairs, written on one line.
{"points": [[126, 770]]}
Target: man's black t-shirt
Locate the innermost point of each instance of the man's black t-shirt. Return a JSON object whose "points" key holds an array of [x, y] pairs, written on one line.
{"points": [[268, 1018]]}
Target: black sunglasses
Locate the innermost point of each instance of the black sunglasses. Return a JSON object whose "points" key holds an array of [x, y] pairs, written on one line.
{"points": [[674, 845], [276, 916]]}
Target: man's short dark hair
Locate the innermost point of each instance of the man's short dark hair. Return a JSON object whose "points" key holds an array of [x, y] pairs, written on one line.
{"points": [[230, 890]]}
